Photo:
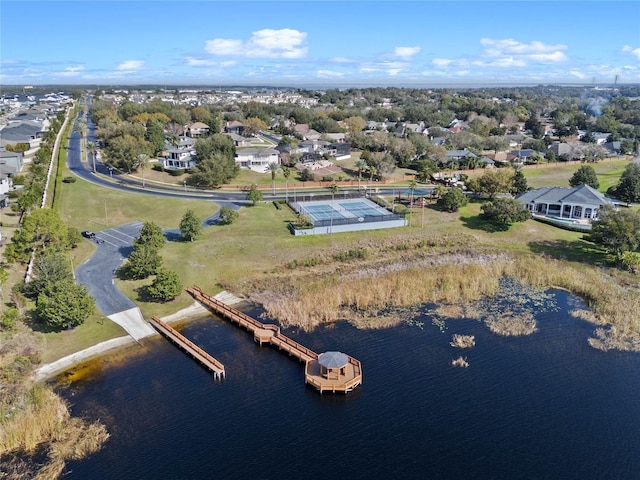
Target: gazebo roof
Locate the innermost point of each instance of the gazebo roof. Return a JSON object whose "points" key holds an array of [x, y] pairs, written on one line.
{"points": [[333, 359]]}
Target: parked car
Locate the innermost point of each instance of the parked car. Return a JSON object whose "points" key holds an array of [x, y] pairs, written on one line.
{"points": [[88, 234]]}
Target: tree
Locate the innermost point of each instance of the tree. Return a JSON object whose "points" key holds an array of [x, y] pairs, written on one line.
{"points": [[333, 188], [254, 195], [166, 286], [91, 148], [617, 229], [274, 168], [50, 267], [142, 162], [306, 175], [505, 211], [63, 305], [190, 226], [213, 171], [628, 189], [42, 228], [122, 151], [253, 125], [151, 235], [585, 175], [143, 262], [286, 173], [361, 166], [453, 200], [519, 183], [493, 182], [227, 216]]}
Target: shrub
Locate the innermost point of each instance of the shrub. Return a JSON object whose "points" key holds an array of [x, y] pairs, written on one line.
{"points": [[69, 179], [158, 167], [177, 172], [355, 254], [228, 215]]}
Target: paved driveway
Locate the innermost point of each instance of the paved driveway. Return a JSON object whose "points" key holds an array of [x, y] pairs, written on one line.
{"points": [[97, 273]]}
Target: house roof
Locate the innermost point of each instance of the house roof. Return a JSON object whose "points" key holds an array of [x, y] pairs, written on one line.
{"points": [[582, 194], [198, 125], [460, 153]]}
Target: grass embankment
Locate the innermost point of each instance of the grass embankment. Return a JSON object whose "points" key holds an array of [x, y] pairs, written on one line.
{"points": [[558, 174]]}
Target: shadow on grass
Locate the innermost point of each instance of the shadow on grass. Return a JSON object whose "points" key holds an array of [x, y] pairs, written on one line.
{"points": [[579, 250], [476, 222]]}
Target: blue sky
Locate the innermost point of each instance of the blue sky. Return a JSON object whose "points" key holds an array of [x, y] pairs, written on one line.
{"points": [[293, 43]]}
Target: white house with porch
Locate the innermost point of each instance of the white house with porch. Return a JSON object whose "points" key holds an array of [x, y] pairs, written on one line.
{"points": [[578, 203], [180, 155], [256, 159]]}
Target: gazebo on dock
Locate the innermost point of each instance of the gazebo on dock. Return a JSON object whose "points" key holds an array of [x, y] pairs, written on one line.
{"points": [[333, 364]]}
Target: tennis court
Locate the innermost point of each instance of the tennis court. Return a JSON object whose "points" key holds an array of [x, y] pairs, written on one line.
{"points": [[322, 212], [362, 209], [345, 215]]}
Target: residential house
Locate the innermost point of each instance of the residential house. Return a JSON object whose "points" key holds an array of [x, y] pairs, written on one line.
{"points": [[6, 180], [460, 156], [581, 202], [313, 146], [12, 159], [234, 127], [256, 159], [613, 148], [525, 155], [339, 150], [239, 140], [29, 132], [305, 132], [180, 156], [198, 129]]}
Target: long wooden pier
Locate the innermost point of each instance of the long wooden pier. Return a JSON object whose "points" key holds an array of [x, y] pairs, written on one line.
{"points": [[188, 346], [350, 375]]}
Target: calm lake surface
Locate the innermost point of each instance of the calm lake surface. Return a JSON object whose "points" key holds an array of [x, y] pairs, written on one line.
{"points": [[546, 406]]}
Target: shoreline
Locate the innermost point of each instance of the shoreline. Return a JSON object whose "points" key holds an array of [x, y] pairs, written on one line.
{"points": [[50, 370]]}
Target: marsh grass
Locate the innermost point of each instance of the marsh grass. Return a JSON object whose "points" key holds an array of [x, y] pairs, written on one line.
{"points": [[512, 325], [466, 283], [460, 362], [39, 419], [463, 341]]}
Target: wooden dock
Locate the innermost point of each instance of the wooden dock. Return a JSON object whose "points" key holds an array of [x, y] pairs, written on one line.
{"points": [[189, 347], [271, 334]]}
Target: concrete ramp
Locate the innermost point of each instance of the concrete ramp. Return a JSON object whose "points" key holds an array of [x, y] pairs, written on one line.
{"points": [[227, 298], [133, 322]]}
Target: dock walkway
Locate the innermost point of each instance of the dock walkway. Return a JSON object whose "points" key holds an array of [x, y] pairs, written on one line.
{"points": [[271, 334], [191, 348]]}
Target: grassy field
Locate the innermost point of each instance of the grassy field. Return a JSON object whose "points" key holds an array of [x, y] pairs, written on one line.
{"points": [[259, 244], [608, 173]]}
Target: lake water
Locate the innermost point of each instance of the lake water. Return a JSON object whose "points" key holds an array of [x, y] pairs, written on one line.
{"points": [[546, 406]]}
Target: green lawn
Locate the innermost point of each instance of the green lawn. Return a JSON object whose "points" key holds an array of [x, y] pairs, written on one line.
{"points": [[259, 242], [558, 174]]}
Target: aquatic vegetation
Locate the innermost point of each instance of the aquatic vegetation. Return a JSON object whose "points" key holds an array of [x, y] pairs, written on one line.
{"points": [[463, 341], [460, 362], [512, 325]]}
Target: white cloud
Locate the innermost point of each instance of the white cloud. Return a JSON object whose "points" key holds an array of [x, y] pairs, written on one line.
{"points": [[71, 71], [511, 46], [329, 74], [633, 51], [267, 43], [198, 62], [441, 62], [130, 66], [535, 51], [578, 74], [406, 52], [342, 60]]}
